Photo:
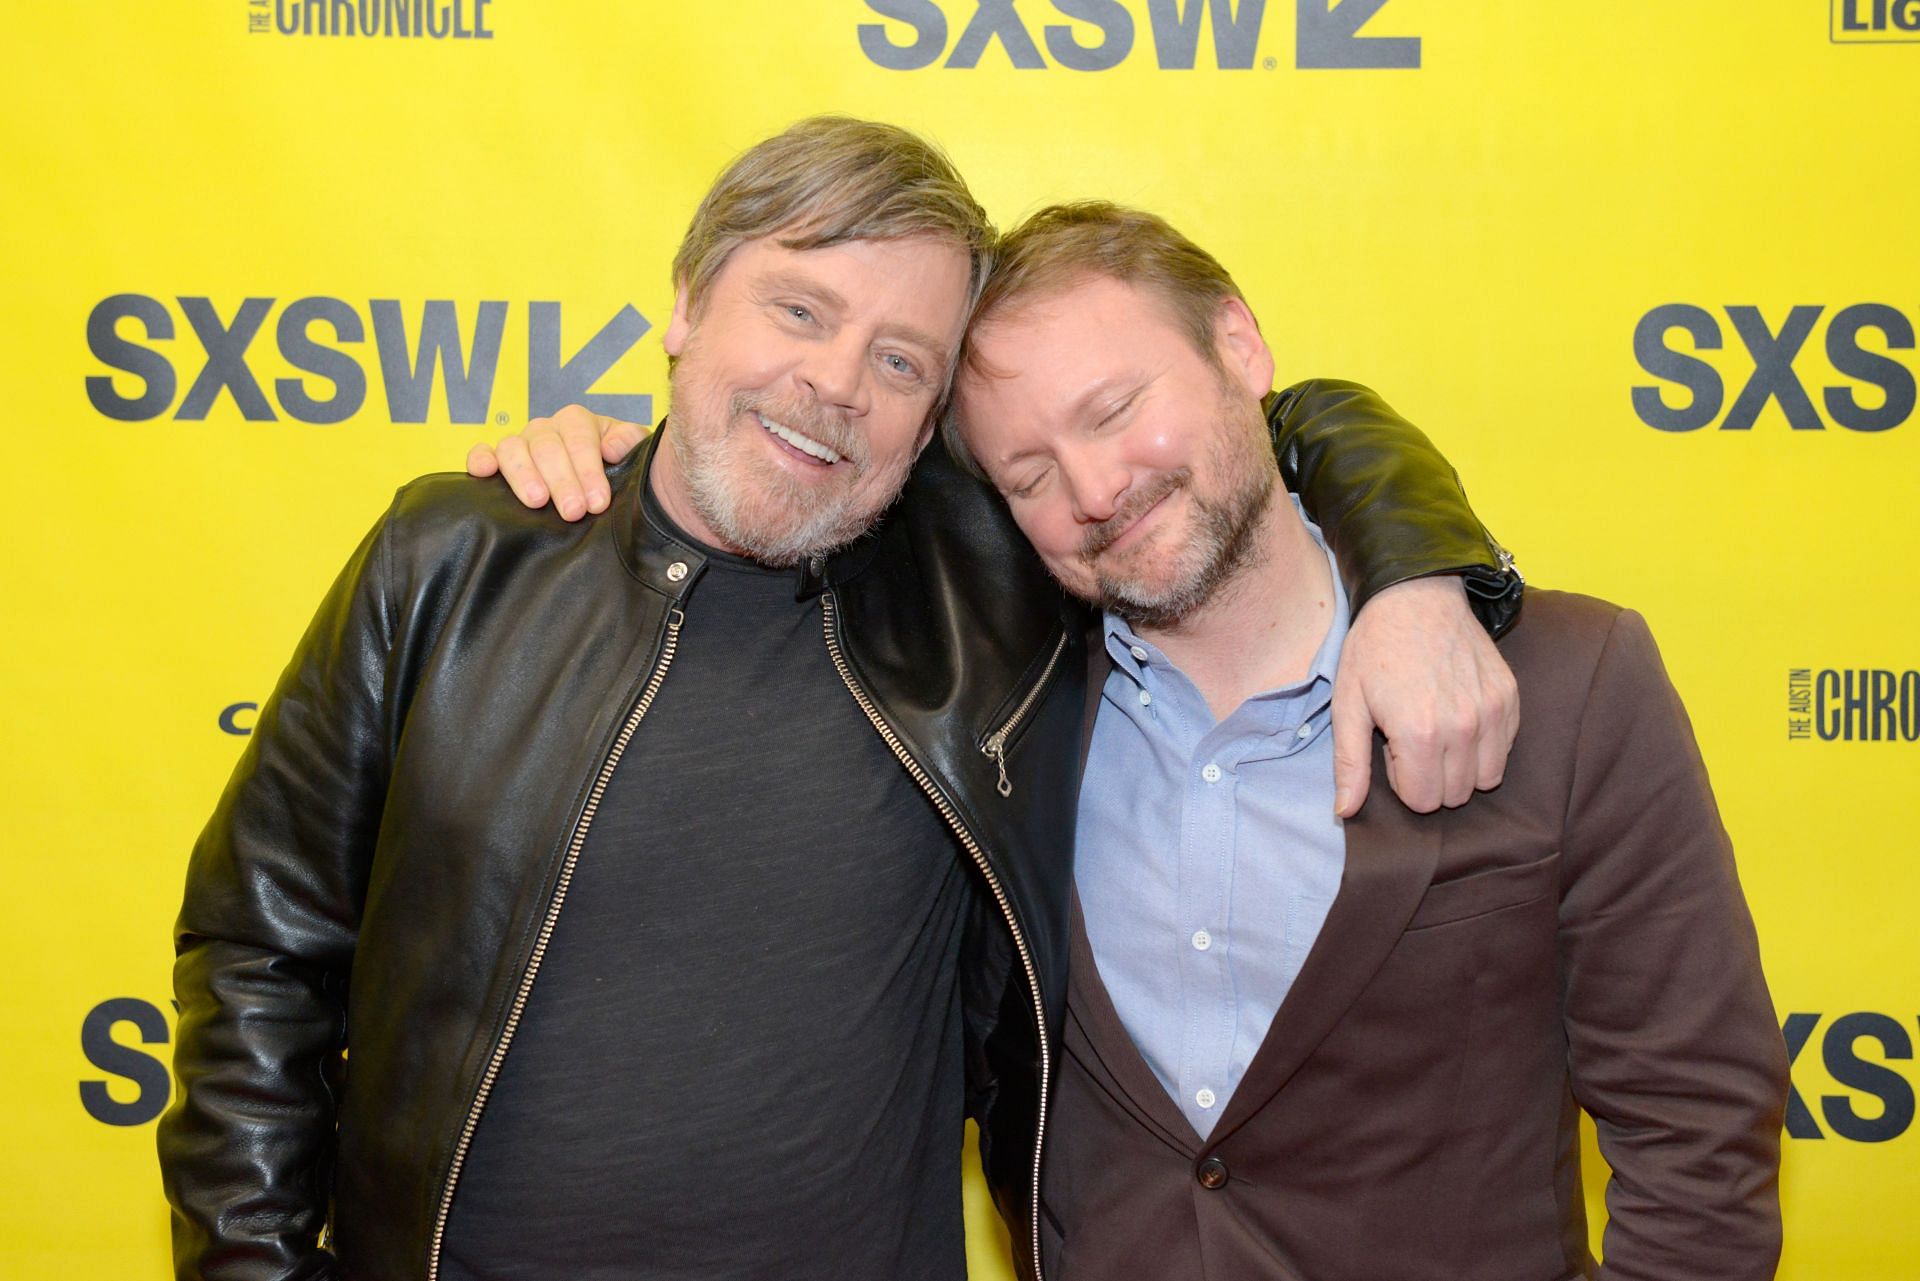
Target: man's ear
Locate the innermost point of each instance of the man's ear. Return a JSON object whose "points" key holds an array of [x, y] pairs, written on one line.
{"points": [[1243, 353], [680, 325]]}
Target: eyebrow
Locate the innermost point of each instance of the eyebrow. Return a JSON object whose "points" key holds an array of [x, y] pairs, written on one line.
{"points": [[1133, 381], [832, 298]]}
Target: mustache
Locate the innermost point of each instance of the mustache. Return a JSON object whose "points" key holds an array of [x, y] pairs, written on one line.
{"points": [[1103, 535], [809, 419]]}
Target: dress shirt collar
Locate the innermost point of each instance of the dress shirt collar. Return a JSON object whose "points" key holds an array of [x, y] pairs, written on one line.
{"points": [[1126, 646]]}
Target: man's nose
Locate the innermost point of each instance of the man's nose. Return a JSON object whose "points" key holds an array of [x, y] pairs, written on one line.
{"points": [[836, 372], [1095, 484]]}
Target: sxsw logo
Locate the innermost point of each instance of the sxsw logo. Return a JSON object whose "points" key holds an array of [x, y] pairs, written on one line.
{"points": [[1098, 35], [1870, 1079], [415, 348], [135, 1084], [1887, 380], [1874, 21]]}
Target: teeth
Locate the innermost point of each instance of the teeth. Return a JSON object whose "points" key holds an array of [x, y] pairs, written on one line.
{"points": [[804, 444]]}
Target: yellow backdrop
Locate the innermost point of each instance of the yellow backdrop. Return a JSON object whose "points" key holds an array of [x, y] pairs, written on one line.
{"points": [[1646, 271]]}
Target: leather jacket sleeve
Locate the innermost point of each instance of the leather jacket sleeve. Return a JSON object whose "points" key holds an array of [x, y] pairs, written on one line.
{"points": [[264, 943], [1389, 503]]}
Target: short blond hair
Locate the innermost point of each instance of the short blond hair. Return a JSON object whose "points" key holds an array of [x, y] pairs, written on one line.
{"points": [[1063, 245], [828, 180]]}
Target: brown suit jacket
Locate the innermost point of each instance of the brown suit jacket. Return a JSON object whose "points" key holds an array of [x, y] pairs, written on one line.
{"points": [[1574, 939]]}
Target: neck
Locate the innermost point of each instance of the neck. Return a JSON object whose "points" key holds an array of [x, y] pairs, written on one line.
{"points": [[1263, 627]]}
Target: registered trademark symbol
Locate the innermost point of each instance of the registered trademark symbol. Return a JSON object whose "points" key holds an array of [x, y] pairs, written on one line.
{"points": [[500, 420], [1269, 63]]}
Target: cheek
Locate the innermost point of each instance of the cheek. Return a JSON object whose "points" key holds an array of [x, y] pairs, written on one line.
{"points": [[1054, 534], [724, 360], [898, 432], [1166, 450]]}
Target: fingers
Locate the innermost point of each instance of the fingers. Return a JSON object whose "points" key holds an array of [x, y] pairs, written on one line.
{"points": [[560, 459], [481, 461], [1498, 732], [516, 464], [1416, 770], [1352, 749], [1444, 754], [618, 439], [554, 461], [1459, 759], [579, 434], [1439, 689]]}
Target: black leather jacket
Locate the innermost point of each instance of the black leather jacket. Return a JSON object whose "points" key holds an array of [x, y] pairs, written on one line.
{"points": [[395, 845]]}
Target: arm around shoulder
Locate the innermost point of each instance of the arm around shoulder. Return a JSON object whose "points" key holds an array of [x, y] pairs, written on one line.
{"points": [[1390, 504], [1672, 1042]]}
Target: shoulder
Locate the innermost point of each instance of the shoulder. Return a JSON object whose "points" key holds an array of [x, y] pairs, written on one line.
{"points": [[1567, 648], [443, 500], [450, 517], [961, 534], [1565, 630]]}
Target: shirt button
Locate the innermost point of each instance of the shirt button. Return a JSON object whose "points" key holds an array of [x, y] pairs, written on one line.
{"points": [[1139, 655], [1146, 699], [1212, 1174], [1211, 773], [676, 571], [1204, 1098], [1305, 730], [1201, 942]]}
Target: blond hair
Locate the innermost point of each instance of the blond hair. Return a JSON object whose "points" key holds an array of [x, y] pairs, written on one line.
{"points": [[1063, 245], [828, 180]]}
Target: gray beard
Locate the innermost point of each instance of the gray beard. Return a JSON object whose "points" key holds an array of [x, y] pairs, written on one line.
{"points": [[782, 523]]}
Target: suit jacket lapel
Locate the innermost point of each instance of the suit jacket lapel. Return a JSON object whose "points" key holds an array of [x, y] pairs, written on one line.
{"points": [[1091, 1012], [1090, 1006], [1099, 665], [1391, 855]]}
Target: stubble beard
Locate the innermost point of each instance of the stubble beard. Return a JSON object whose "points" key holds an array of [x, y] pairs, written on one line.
{"points": [[1222, 546], [753, 504]]}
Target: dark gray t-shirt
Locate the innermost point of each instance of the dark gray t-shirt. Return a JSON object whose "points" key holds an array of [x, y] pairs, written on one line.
{"points": [[741, 1057]]}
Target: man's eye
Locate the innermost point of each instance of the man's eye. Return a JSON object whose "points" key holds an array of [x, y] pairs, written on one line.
{"points": [[1116, 411], [1029, 489], [900, 365], [798, 312]]}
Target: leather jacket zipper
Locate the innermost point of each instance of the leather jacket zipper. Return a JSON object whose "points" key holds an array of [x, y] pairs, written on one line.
{"points": [[674, 619], [829, 610], [994, 747]]}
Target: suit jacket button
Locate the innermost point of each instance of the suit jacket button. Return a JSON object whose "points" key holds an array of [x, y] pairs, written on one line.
{"points": [[1212, 1173]]}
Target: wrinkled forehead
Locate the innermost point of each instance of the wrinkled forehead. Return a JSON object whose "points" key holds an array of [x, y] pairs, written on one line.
{"points": [[809, 242], [1084, 306], [920, 279]]}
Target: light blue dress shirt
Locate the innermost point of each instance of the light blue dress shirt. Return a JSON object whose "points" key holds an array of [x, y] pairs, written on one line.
{"points": [[1207, 857]]}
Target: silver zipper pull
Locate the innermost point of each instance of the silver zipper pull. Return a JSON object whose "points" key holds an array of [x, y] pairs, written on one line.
{"points": [[996, 749]]}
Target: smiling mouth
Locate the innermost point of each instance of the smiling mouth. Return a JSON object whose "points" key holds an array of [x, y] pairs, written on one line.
{"points": [[1133, 526], [806, 446], [1108, 536]]}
